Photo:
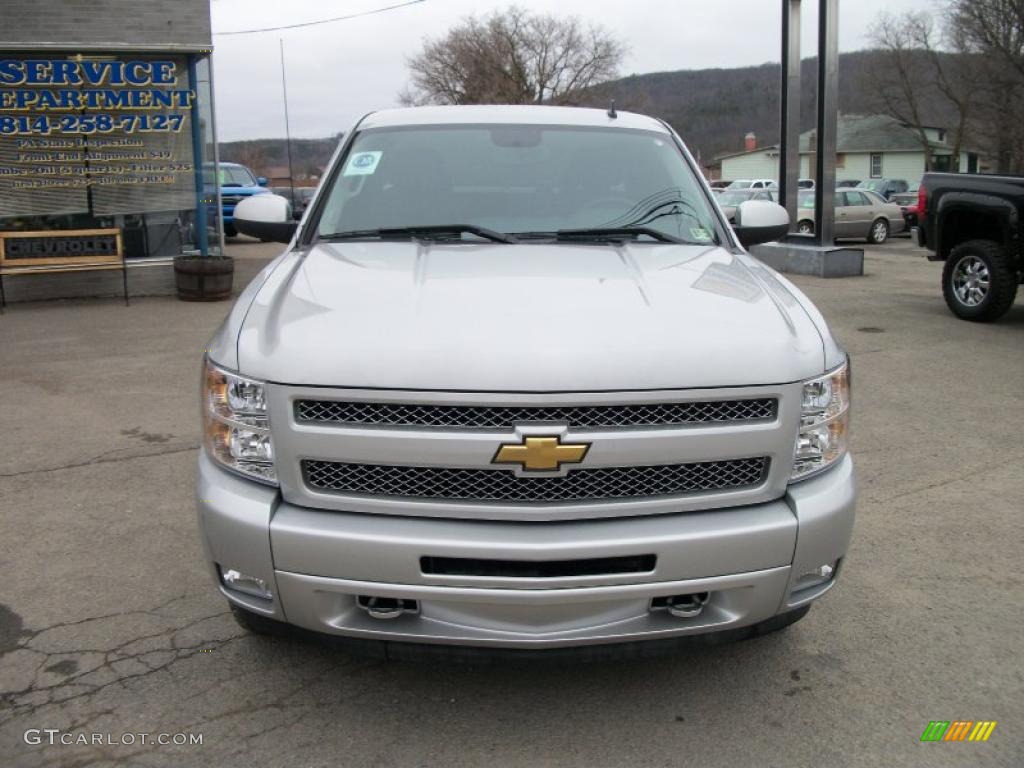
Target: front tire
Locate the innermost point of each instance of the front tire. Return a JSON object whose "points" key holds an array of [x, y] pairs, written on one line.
{"points": [[879, 231], [978, 281], [805, 227]]}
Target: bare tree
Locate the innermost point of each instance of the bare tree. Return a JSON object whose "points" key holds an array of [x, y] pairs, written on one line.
{"points": [[955, 76], [992, 33], [991, 27], [913, 71], [513, 57]]}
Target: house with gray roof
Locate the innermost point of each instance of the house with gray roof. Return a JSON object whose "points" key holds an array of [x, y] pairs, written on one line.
{"points": [[868, 147]]}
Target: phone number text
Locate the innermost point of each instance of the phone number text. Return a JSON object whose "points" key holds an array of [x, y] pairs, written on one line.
{"points": [[44, 125]]}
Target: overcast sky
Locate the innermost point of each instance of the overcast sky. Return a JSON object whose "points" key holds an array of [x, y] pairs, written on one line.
{"points": [[339, 71]]}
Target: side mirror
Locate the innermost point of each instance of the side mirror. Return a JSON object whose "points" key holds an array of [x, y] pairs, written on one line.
{"points": [[261, 180], [267, 217], [759, 221]]}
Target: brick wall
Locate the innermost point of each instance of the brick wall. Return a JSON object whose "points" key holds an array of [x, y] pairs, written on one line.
{"points": [[111, 24]]}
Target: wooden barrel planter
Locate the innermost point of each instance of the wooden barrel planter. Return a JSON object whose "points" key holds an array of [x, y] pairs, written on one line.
{"points": [[204, 278]]}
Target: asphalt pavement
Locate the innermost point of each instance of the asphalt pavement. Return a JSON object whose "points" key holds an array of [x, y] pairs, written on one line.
{"points": [[109, 623]]}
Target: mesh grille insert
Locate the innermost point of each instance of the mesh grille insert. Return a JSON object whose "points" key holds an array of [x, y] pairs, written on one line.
{"points": [[502, 485], [504, 416]]}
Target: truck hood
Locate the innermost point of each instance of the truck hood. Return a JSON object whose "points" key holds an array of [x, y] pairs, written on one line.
{"points": [[527, 317]]}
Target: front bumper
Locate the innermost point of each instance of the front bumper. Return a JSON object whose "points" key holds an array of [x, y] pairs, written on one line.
{"points": [[319, 562]]}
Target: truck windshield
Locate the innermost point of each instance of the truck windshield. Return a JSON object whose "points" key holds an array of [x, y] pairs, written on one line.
{"points": [[524, 180], [236, 176]]}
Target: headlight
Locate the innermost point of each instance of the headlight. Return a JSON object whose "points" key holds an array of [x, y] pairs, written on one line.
{"points": [[235, 425], [824, 423]]}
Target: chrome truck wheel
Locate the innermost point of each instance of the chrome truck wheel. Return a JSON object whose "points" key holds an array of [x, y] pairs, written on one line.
{"points": [[970, 281], [979, 281]]}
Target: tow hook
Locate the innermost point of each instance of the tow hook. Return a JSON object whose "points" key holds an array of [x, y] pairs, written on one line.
{"points": [[682, 606], [387, 607]]}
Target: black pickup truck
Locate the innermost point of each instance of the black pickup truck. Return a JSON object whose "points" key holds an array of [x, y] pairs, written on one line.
{"points": [[974, 223]]}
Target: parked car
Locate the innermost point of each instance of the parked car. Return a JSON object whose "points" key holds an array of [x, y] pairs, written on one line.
{"points": [[908, 197], [907, 201], [753, 184], [455, 413], [848, 182], [236, 183], [859, 214], [884, 187], [911, 214], [975, 224], [299, 200], [730, 199]]}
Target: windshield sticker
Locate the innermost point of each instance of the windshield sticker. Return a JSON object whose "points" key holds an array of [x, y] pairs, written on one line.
{"points": [[700, 234], [362, 163]]}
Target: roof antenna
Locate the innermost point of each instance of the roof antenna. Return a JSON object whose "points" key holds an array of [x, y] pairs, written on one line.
{"points": [[611, 111]]}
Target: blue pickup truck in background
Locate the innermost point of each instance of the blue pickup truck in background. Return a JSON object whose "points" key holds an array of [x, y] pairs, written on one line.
{"points": [[236, 182]]}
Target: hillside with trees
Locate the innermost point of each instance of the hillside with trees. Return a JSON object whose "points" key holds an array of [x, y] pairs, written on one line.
{"points": [[713, 109], [309, 156], [960, 68]]}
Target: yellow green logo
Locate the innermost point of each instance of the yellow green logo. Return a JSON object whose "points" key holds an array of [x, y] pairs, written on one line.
{"points": [[958, 730]]}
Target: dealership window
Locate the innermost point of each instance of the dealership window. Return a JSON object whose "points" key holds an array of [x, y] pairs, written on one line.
{"points": [[876, 165], [98, 141]]}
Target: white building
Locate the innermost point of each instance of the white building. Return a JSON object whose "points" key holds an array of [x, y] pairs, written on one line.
{"points": [[868, 147]]}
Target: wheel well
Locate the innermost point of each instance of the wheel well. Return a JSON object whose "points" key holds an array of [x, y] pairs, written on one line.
{"points": [[805, 221], [961, 226]]}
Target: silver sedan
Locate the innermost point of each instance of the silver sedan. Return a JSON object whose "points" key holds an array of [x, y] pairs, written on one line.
{"points": [[859, 214]]}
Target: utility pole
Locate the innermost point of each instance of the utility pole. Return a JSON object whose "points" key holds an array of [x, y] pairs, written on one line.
{"points": [[287, 127]]}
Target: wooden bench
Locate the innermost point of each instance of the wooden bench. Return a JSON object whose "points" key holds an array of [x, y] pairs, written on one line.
{"points": [[61, 250]]}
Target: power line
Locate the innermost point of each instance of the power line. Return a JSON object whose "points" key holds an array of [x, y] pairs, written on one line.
{"points": [[322, 21]]}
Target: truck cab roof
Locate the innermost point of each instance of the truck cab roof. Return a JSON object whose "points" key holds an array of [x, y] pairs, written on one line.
{"points": [[518, 114]]}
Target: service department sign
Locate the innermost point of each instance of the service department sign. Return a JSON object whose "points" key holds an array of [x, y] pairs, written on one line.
{"points": [[119, 126]]}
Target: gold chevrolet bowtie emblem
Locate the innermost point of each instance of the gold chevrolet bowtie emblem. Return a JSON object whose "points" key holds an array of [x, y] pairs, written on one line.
{"points": [[540, 453]]}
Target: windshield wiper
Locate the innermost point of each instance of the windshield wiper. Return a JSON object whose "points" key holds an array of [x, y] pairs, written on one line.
{"points": [[422, 232], [592, 233]]}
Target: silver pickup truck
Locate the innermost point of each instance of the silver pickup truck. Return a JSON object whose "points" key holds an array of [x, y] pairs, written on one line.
{"points": [[515, 383]]}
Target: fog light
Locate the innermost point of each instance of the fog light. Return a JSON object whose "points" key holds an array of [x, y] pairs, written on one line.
{"points": [[247, 585], [815, 577]]}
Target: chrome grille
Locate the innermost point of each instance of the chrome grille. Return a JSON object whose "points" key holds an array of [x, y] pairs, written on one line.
{"points": [[491, 485], [504, 416]]}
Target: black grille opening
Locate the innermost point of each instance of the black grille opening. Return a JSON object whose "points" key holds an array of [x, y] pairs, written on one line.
{"points": [[505, 416], [545, 569], [502, 485]]}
